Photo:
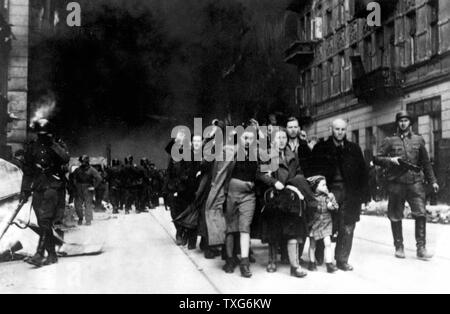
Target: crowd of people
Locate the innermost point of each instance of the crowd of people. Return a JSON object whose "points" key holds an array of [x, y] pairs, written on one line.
{"points": [[289, 191], [124, 185], [275, 186]]}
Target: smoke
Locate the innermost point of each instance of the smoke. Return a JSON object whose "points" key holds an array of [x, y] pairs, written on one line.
{"points": [[136, 68], [44, 108]]}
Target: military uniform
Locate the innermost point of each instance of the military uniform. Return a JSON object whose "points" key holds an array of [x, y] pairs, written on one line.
{"points": [[115, 186], [86, 179], [406, 182], [403, 184], [43, 170]]}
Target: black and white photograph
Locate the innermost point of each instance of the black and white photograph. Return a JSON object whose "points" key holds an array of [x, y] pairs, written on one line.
{"points": [[213, 149]]}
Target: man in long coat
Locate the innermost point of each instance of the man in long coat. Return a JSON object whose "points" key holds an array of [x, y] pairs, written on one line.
{"points": [[343, 165]]}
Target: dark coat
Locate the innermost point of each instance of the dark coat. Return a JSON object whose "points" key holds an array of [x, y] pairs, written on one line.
{"points": [[277, 224], [303, 153], [43, 165], [354, 169]]}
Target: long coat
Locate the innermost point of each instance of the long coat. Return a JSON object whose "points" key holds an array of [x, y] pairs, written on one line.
{"points": [[215, 218], [355, 173]]}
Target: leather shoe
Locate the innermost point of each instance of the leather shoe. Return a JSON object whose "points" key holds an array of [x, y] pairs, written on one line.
{"points": [[344, 267], [245, 268], [272, 268], [331, 268], [298, 272], [37, 260], [312, 266]]}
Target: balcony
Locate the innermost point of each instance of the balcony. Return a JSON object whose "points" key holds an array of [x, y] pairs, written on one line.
{"points": [[381, 84], [387, 8], [300, 53]]}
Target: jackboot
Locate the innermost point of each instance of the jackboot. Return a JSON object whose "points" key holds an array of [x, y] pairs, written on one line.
{"points": [[421, 232], [52, 258], [397, 233], [39, 258]]}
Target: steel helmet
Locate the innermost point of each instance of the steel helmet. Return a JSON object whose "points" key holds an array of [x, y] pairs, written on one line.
{"points": [[403, 114]]}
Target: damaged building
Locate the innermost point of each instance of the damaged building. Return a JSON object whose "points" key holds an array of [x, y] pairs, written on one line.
{"points": [[367, 74]]}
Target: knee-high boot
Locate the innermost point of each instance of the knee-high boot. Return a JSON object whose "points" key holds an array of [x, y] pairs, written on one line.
{"points": [[421, 232], [397, 233]]}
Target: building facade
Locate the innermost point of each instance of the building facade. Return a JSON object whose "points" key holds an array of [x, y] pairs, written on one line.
{"points": [[366, 74], [23, 23]]}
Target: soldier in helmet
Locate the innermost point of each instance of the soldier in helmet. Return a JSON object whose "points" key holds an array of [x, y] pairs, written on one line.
{"points": [[406, 159], [145, 190], [86, 180], [115, 185], [43, 167]]}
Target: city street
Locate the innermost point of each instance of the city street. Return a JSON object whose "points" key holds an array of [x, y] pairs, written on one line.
{"points": [[140, 256]]}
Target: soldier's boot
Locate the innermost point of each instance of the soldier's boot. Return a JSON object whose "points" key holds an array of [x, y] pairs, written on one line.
{"points": [[39, 258], [397, 233], [421, 232], [52, 258]]}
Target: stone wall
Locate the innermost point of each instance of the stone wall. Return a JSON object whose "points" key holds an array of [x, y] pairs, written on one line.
{"points": [[18, 71]]}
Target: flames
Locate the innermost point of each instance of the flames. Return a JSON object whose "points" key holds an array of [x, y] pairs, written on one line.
{"points": [[44, 109]]}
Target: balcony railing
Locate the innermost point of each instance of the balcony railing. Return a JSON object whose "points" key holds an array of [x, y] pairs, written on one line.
{"points": [[379, 84], [300, 53]]}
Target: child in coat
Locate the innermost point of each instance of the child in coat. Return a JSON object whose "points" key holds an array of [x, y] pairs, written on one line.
{"points": [[322, 224]]}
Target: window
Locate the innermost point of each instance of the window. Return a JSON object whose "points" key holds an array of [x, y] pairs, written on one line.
{"points": [[329, 15], [368, 53], [380, 48], [3, 7], [355, 137], [308, 29], [342, 12], [370, 140], [330, 78], [319, 83], [411, 24], [433, 7], [390, 36], [342, 72], [316, 28], [302, 29], [308, 88]]}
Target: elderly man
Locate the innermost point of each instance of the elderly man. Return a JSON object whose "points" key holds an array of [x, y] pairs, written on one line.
{"points": [[343, 165], [408, 164]]}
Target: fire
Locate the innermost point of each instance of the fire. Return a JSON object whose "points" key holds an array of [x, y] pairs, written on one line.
{"points": [[45, 108]]}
